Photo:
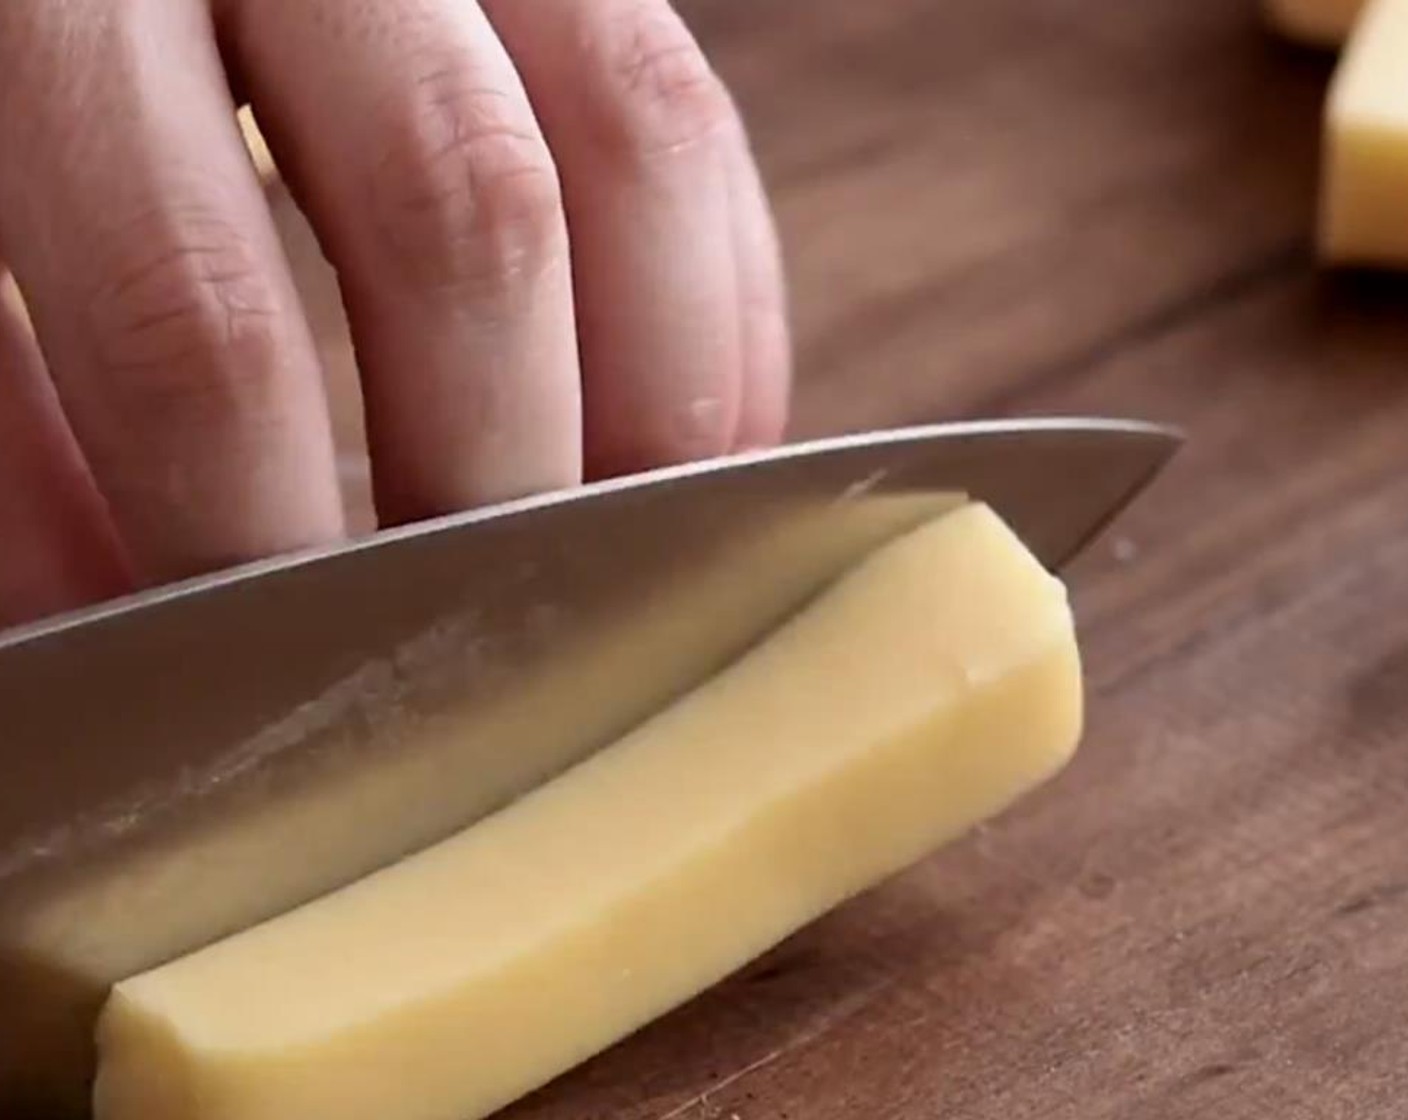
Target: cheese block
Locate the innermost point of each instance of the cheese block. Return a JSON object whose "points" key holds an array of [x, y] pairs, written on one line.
{"points": [[1322, 23], [1364, 184], [925, 691]]}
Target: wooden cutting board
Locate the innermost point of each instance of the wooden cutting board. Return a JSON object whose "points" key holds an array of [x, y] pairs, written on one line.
{"points": [[1032, 206]]}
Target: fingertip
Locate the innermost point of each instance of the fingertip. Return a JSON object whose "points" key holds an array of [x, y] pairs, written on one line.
{"points": [[766, 395], [765, 324]]}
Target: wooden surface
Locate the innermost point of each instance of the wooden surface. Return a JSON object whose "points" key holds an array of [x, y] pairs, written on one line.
{"points": [[1031, 206]]}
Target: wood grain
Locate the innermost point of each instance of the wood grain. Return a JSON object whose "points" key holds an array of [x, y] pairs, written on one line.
{"points": [[1001, 206], [1014, 207]]}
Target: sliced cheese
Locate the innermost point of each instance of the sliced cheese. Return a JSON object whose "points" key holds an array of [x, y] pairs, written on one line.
{"points": [[1364, 187], [924, 692], [1321, 23]]}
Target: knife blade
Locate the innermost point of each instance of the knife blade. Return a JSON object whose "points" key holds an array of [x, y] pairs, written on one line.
{"points": [[188, 761]]}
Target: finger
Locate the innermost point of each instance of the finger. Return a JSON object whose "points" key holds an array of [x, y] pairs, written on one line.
{"points": [[135, 222], [412, 146], [766, 342], [644, 134], [322, 306], [57, 547]]}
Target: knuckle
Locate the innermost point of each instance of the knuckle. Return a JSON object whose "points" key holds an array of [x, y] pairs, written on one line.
{"points": [[183, 313], [658, 93], [466, 195]]}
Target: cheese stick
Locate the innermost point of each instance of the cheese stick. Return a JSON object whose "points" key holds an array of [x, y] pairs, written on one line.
{"points": [[921, 694]]}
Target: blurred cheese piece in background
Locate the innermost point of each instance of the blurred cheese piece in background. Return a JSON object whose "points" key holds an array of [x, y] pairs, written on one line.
{"points": [[1323, 23], [921, 694], [1364, 180], [258, 149]]}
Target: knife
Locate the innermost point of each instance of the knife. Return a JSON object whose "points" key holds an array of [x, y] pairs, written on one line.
{"points": [[187, 761]]}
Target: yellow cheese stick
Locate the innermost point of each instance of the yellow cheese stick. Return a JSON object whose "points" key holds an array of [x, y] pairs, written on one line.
{"points": [[1321, 23], [1364, 183], [924, 692]]}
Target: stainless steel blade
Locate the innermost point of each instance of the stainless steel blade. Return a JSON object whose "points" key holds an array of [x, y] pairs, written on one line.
{"points": [[189, 761]]}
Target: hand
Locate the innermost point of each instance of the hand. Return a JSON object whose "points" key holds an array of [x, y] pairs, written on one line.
{"points": [[550, 236]]}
